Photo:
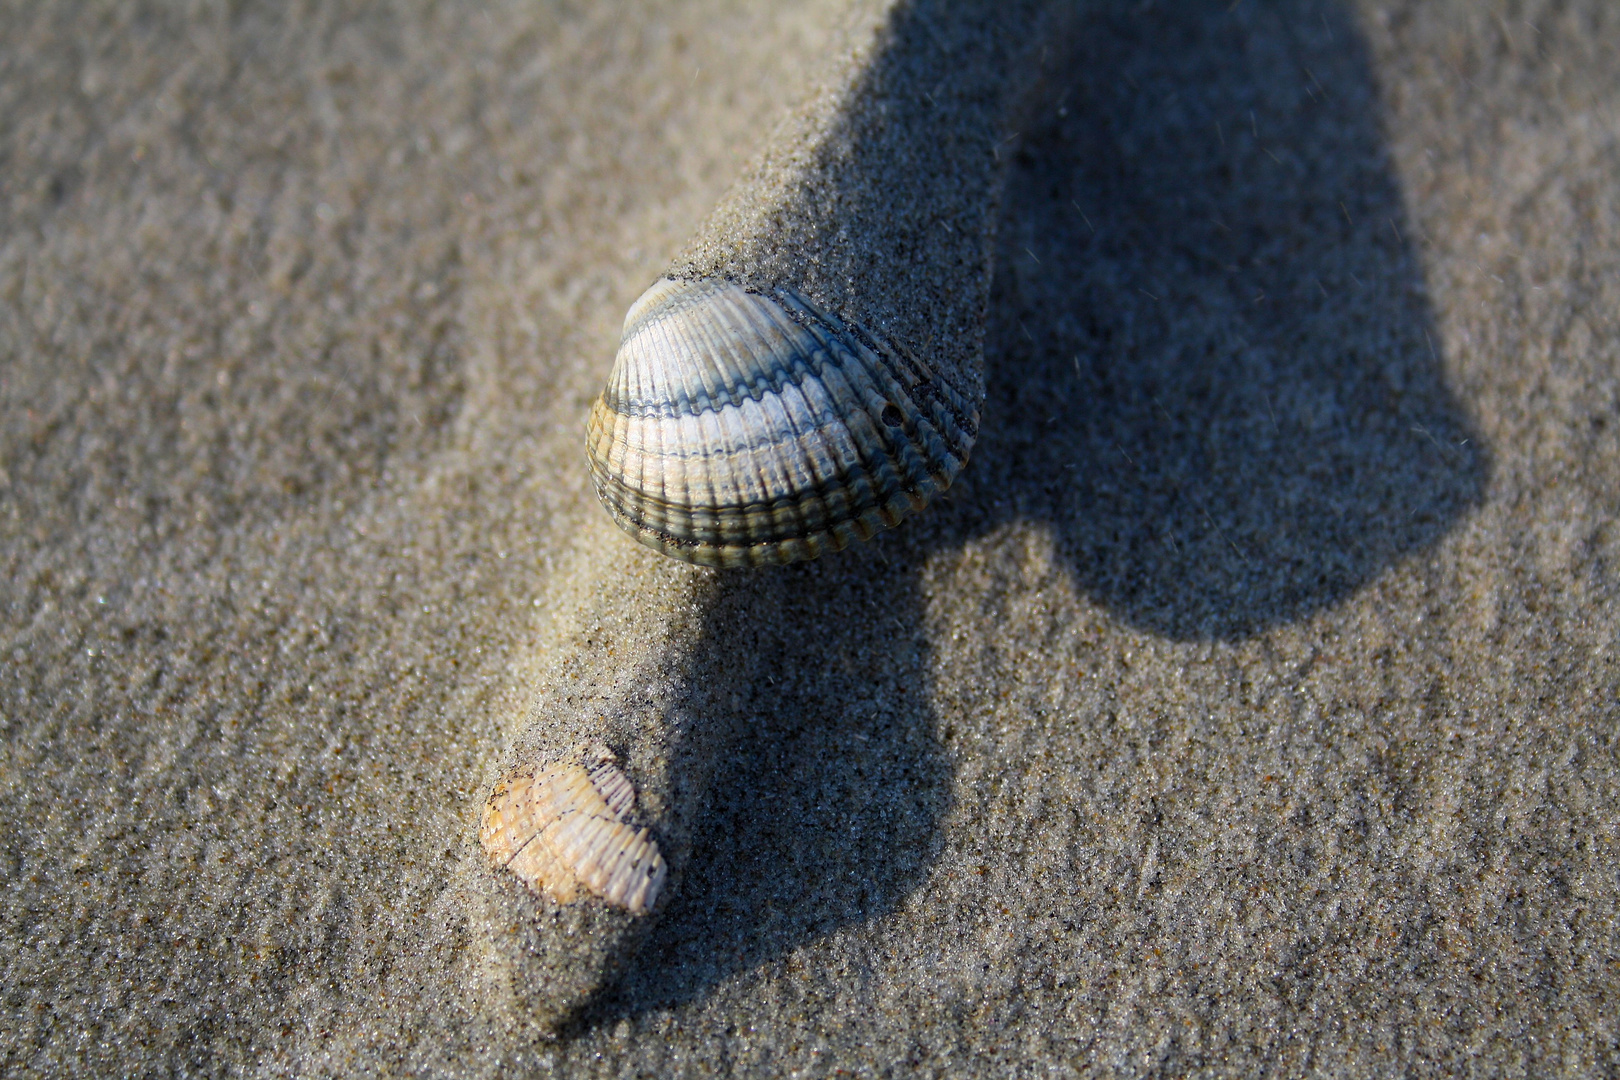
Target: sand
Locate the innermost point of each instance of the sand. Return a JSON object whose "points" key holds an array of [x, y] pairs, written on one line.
{"points": [[1249, 705]]}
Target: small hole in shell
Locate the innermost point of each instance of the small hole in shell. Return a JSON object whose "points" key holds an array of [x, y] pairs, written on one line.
{"points": [[891, 415]]}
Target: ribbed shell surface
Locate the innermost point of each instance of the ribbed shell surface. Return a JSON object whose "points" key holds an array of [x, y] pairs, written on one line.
{"points": [[740, 428], [566, 825]]}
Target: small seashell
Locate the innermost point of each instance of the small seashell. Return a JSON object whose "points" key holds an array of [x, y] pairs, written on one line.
{"points": [[740, 428], [564, 825]]}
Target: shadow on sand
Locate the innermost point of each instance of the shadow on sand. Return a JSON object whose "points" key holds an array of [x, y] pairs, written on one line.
{"points": [[1213, 376]]}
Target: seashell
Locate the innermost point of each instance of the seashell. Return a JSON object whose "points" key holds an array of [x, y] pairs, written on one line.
{"points": [[741, 428], [561, 826]]}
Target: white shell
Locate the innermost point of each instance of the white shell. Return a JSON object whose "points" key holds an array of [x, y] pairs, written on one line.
{"points": [[740, 428], [565, 825]]}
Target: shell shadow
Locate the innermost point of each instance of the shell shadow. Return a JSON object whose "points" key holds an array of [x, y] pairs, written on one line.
{"points": [[1212, 373], [825, 805], [1212, 367]]}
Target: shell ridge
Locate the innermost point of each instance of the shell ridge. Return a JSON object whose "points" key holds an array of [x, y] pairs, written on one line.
{"points": [[663, 432], [565, 826], [860, 375], [751, 379], [740, 354], [771, 365], [912, 474], [643, 876], [746, 380], [816, 427], [927, 392], [707, 339], [574, 834], [711, 337], [778, 501], [765, 431], [806, 514], [606, 872], [815, 445], [631, 437], [853, 473], [614, 787], [932, 440], [709, 508], [647, 305], [650, 885]]}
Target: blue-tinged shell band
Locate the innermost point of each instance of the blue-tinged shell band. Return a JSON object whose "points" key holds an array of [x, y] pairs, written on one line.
{"points": [[739, 429]]}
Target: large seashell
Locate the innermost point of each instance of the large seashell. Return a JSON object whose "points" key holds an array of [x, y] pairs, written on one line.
{"points": [[565, 825], [740, 428]]}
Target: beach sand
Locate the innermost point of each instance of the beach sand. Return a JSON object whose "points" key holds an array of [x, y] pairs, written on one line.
{"points": [[1250, 703]]}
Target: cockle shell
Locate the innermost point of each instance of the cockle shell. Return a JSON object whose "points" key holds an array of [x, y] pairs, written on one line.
{"points": [[564, 825], [740, 428]]}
